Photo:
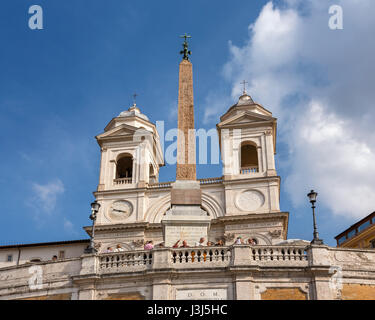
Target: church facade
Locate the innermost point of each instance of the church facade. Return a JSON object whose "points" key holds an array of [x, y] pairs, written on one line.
{"points": [[248, 256]]}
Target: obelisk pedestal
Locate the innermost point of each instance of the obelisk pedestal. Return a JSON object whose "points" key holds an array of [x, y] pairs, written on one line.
{"points": [[185, 220]]}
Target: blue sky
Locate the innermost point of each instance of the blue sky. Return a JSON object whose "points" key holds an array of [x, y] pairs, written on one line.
{"points": [[60, 86]]}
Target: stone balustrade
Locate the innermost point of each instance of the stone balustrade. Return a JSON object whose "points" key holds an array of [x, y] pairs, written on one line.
{"points": [[200, 256], [125, 260], [211, 180], [122, 181], [280, 255], [203, 257], [160, 185], [247, 170], [169, 183]]}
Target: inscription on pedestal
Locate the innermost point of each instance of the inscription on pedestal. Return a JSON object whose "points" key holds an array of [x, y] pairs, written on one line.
{"points": [[191, 234], [201, 294]]}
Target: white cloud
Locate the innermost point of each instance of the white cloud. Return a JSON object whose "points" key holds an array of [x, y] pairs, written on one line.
{"points": [[320, 84], [68, 226], [45, 196], [327, 157]]}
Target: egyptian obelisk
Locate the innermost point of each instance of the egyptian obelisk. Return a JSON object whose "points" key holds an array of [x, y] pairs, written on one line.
{"points": [[186, 166], [185, 220]]}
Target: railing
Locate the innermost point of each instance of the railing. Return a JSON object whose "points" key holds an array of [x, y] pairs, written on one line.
{"points": [[122, 181], [127, 260], [183, 257], [203, 257], [211, 180], [201, 181], [247, 170], [160, 185], [279, 254]]}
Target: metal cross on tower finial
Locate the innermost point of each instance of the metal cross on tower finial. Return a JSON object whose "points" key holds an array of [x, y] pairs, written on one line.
{"points": [[134, 98], [185, 51], [244, 86]]}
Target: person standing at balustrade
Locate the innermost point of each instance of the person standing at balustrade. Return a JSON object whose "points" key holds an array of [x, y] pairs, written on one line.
{"points": [[201, 242], [149, 245], [184, 244]]}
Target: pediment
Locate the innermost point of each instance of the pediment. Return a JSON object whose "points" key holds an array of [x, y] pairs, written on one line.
{"points": [[119, 131], [246, 117]]}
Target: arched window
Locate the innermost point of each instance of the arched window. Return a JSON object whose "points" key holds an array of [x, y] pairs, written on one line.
{"points": [[124, 167], [249, 158]]}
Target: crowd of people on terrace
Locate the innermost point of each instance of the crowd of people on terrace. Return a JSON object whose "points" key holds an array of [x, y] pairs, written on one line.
{"points": [[149, 245], [202, 243]]}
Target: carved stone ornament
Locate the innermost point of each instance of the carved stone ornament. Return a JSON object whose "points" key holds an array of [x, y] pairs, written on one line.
{"points": [[228, 236], [138, 243], [275, 233], [250, 200]]}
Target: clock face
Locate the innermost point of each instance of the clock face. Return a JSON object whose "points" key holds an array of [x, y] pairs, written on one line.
{"points": [[120, 210]]}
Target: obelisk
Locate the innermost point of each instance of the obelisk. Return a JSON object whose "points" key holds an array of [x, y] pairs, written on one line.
{"points": [[186, 165], [185, 220]]}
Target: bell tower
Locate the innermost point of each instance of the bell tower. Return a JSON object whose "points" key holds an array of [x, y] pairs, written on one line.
{"points": [[131, 157], [130, 151], [247, 136]]}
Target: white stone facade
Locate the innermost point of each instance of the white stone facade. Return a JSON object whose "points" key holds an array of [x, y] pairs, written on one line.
{"points": [[243, 202]]}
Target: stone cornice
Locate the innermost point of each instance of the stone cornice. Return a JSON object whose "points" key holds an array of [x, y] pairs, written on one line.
{"points": [[149, 189], [122, 226], [284, 216]]}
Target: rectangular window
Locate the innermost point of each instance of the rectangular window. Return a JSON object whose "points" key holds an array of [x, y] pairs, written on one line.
{"points": [[62, 254], [364, 225], [10, 258], [341, 240], [372, 244], [352, 233]]}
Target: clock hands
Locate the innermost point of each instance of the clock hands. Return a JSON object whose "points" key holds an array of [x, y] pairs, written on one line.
{"points": [[119, 210]]}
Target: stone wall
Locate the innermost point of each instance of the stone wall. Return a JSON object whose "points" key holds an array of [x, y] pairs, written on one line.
{"points": [[283, 294], [230, 272], [355, 291]]}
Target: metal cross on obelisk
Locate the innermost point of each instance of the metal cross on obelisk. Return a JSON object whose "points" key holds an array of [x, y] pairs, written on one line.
{"points": [[185, 50]]}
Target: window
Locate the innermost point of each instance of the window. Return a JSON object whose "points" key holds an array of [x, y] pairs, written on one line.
{"points": [[352, 233], [249, 158], [10, 258], [363, 226], [124, 167], [341, 240], [62, 254], [372, 244]]}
